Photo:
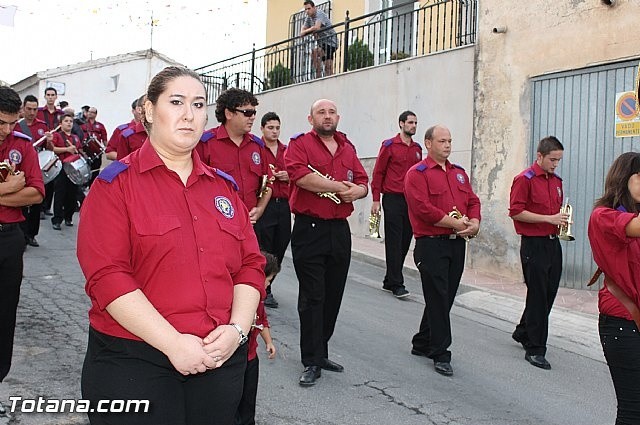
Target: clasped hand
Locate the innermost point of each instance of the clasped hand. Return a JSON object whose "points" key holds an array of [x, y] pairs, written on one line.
{"points": [[191, 355]]}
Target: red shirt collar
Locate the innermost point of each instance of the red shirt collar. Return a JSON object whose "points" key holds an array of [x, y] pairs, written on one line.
{"points": [[148, 159], [538, 170], [431, 163]]}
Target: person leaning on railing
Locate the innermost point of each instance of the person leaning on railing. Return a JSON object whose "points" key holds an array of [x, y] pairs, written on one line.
{"points": [[319, 24]]}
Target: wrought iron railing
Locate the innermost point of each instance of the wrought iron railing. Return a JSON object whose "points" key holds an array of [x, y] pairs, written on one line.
{"points": [[376, 38]]}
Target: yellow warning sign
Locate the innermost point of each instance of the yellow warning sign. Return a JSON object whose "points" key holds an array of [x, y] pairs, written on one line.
{"points": [[627, 120]]}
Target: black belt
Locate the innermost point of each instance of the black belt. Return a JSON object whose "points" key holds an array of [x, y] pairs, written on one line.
{"points": [[554, 236], [451, 236], [8, 226]]}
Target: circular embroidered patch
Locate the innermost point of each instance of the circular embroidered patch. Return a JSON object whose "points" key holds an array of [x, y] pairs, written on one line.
{"points": [[15, 156], [223, 205], [350, 175], [418, 156], [256, 158], [460, 178], [40, 132]]}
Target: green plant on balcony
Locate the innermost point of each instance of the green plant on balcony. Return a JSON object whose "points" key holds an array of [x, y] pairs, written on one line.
{"points": [[279, 76], [359, 55]]}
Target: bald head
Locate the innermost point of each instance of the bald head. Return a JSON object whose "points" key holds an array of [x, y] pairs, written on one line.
{"points": [[324, 117]]}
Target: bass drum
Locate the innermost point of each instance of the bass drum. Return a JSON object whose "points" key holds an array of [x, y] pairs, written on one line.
{"points": [[50, 165], [77, 169]]}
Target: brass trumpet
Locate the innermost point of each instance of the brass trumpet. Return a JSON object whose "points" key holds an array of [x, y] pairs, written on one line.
{"points": [[330, 195], [374, 225], [565, 229], [5, 170], [455, 213]]}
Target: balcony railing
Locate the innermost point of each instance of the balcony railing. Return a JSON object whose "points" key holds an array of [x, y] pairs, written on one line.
{"points": [[377, 38]]}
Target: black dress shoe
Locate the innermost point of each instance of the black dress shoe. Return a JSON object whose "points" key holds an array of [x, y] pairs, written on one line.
{"points": [[56, 226], [270, 301], [400, 292], [332, 366], [443, 368], [32, 242], [538, 360], [68, 223], [310, 376]]}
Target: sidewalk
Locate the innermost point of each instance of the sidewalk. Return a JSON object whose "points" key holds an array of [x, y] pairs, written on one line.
{"points": [[574, 318]]}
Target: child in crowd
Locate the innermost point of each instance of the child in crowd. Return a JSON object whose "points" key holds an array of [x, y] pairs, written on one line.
{"points": [[247, 407]]}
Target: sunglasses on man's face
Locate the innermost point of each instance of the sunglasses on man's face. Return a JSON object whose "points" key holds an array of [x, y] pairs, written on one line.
{"points": [[246, 112]]}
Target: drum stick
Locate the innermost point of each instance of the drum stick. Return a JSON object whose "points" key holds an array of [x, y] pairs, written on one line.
{"points": [[40, 140]]}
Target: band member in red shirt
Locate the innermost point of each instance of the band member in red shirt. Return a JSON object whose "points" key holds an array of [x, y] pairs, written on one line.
{"points": [[131, 139], [536, 199], [396, 156], [20, 185], [321, 239], [36, 129], [444, 212], [614, 234], [66, 145], [49, 113], [274, 227], [173, 271], [231, 148], [94, 128], [112, 146]]}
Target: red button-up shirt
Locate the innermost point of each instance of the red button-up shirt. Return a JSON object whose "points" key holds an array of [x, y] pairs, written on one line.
{"points": [[246, 163], [131, 139], [185, 247], [308, 149], [433, 192], [394, 160], [535, 191], [112, 145], [617, 255], [96, 129], [37, 129], [280, 188], [51, 120], [62, 140], [18, 150], [261, 320]]}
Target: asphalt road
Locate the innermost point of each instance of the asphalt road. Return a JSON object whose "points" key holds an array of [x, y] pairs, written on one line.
{"points": [[382, 383]]}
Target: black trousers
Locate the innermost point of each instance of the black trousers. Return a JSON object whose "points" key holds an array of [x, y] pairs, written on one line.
{"points": [[321, 256], [31, 224], [246, 414], [12, 246], [274, 229], [620, 339], [122, 369], [49, 190], [441, 263], [541, 259], [95, 170], [65, 201], [397, 237]]}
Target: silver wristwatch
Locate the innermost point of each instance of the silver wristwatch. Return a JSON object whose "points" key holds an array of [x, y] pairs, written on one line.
{"points": [[243, 337]]}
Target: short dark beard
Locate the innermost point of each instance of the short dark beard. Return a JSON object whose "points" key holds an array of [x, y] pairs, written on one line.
{"points": [[326, 133]]}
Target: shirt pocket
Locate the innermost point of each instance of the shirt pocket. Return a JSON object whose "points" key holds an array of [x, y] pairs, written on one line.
{"points": [[160, 241], [230, 244]]}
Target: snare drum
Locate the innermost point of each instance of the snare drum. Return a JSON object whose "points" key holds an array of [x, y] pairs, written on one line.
{"points": [[93, 148], [50, 165], [77, 169]]}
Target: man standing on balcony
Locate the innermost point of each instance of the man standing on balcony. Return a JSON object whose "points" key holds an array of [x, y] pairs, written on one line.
{"points": [[319, 24], [396, 156]]}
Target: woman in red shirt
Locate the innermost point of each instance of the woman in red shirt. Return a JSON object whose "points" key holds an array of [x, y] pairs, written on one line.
{"points": [[614, 234], [173, 271]]}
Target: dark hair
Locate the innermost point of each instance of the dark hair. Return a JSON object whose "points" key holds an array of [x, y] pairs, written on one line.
{"points": [[134, 103], [231, 99], [51, 88], [67, 114], [309, 2], [159, 84], [406, 114], [29, 98], [271, 266], [9, 100], [269, 116], [86, 108], [141, 99], [63, 104], [429, 133], [548, 144], [616, 185]]}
